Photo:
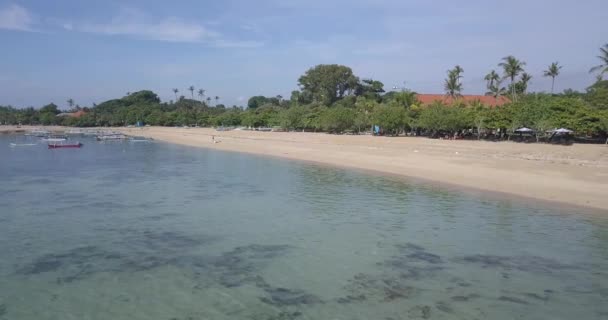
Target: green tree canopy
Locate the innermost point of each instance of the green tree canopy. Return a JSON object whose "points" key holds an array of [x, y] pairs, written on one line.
{"points": [[50, 108], [597, 95], [142, 97], [338, 119], [328, 83], [370, 89], [390, 118], [404, 99], [439, 117], [256, 101], [294, 118]]}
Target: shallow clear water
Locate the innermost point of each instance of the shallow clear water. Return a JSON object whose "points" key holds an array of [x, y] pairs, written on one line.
{"points": [[157, 231]]}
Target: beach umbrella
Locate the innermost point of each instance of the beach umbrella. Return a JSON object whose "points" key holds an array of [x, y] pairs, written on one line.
{"points": [[562, 130], [524, 129]]}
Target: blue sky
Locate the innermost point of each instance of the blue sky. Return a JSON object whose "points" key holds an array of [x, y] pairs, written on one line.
{"points": [[92, 51]]}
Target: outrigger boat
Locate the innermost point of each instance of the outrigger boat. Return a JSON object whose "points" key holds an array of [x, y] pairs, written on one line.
{"points": [[27, 142], [111, 137], [55, 138], [13, 144], [140, 139], [91, 132], [64, 145], [75, 132], [38, 133]]}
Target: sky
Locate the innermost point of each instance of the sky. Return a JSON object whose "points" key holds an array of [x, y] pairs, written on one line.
{"points": [[92, 51]]}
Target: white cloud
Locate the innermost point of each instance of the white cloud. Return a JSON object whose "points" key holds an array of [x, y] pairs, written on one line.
{"points": [[249, 27], [135, 23], [252, 27], [131, 22], [14, 17], [236, 44]]}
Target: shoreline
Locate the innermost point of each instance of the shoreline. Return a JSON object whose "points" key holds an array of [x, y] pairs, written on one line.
{"points": [[6, 129], [576, 176]]}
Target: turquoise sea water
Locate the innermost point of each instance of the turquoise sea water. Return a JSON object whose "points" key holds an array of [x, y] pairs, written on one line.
{"points": [[158, 231]]}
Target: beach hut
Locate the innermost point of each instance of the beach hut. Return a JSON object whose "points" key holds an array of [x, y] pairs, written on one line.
{"points": [[524, 130], [563, 133], [527, 131]]}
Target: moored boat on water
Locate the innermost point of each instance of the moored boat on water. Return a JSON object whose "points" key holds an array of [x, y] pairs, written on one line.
{"points": [[111, 137], [14, 144], [140, 139], [75, 132], [55, 138], [91, 132], [65, 145], [27, 141], [38, 133]]}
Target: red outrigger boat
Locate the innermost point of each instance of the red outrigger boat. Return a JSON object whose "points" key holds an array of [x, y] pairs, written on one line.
{"points": [[64, 145]]}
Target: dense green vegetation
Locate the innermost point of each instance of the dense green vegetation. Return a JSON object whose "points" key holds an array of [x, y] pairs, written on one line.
{"points": [[333, 99]]}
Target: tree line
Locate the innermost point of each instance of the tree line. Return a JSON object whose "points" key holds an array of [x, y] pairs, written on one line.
{"points": [[200, 93], [331, 98]]}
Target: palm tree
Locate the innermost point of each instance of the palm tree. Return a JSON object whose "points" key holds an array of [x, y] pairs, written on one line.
{"points": [[175, 90], [496, 90], [458, 70], [603, 68], [452, 84], [201, 93], [70, 102], [191, 88], [525, 79], [512, 68], [208, 101], [217, 99], [406, 98], [552, 71], [492, 78]]}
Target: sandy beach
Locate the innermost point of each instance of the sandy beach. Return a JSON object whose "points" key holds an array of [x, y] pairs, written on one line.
{"points": [[22, 129], [575, 175]]}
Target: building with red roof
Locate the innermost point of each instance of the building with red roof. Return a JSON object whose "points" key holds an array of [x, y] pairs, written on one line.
{"points": [[426, 99], [76, 114]]}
